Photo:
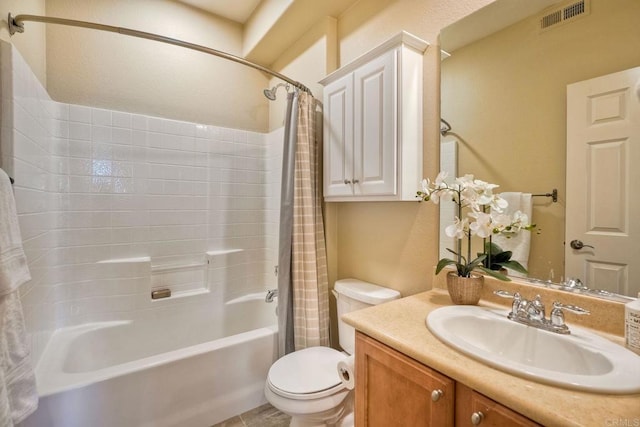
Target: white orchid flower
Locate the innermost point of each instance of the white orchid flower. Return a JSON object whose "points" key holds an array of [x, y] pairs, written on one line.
{"points": [[482, 226], [440, 180], [501, 222], [458, 229]]}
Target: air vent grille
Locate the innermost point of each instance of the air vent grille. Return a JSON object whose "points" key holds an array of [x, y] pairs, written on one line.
{"points": [[562, 14]]}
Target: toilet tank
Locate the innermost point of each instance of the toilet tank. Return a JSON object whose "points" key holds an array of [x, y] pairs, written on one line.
{"points": [[354, 294]]}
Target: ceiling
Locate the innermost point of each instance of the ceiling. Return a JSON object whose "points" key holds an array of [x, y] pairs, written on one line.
{"points": [[235, 10], [279, 24]]}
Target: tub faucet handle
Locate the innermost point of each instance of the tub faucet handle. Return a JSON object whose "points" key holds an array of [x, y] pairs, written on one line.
{"points": [[271, 294]]}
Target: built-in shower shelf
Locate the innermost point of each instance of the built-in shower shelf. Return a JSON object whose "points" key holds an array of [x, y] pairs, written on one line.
{"points": [[126, 260], [176, 267], [223, 252]]}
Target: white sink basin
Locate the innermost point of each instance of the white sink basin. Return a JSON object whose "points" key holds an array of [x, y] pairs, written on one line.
{"points": [[581, 360]]}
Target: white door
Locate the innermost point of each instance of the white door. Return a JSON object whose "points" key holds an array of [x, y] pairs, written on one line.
{"points": [[603, 182], [338, 137], [375, 132]]}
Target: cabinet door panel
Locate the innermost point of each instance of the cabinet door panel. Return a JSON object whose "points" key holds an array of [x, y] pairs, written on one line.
{"points": [[338, 138], [375, 126], [469, 402], [395, 390]]}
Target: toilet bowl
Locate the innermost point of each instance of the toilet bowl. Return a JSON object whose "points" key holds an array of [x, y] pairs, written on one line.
{"points": [[305, 384]]}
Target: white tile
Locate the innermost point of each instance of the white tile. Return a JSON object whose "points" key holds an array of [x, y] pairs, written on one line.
{"points": [[101, 134], [122, 120], [79, 131], [122, 136], [139, 122], [100, 117], [79, 114]]}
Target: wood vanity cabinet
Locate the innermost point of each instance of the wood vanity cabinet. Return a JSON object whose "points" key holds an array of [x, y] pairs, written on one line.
{"points": [[393, 389], [470, 404]]}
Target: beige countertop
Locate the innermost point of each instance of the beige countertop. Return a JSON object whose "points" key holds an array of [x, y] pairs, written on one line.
{"points": [[401, 325]]}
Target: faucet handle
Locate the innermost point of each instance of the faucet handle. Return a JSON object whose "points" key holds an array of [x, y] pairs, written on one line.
{"points": [[517, 299], [572, 308], [557, 316]]}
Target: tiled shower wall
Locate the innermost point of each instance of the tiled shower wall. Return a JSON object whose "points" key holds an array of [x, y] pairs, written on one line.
{"points": [[112, 205]]}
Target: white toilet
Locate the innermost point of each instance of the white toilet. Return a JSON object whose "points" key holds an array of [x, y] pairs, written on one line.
{"points": [[305, 384]]}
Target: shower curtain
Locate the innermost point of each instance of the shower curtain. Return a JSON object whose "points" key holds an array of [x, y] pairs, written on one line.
{"points": [[303, 303]]}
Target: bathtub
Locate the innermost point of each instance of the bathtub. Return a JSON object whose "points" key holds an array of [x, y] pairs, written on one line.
{"points": [[192, 367]]}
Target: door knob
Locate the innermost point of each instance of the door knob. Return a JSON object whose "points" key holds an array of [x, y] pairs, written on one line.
{"points": [[577, 244]]}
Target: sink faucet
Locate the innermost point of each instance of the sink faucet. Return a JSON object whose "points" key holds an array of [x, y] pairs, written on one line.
{"points": [[532, 313]]}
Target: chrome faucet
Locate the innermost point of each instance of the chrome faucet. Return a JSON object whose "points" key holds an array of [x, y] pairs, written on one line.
{"points": [[532, 313], [271, 294]]}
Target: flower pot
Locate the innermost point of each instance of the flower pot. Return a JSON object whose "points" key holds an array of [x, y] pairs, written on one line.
{"points": [[464, 290]]}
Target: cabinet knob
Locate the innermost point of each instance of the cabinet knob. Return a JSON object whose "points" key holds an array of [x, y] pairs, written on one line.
{"points": [[436, 395], [356, 181], [476, 418], [347, 181]]}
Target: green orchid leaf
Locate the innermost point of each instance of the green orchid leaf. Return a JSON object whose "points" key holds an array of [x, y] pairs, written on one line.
{"points": [[515, 266], [443, 263], [495, 274]]}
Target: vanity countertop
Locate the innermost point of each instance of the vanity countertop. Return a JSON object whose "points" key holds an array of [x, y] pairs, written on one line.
{"points": [[401, 325]]}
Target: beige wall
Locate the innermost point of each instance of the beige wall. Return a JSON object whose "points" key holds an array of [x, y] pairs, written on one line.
{"points": [[123, 73], [505, 98], [32, 43]]}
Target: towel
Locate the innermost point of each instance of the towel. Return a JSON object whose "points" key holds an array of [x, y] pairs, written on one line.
{"points": [[13, 264], [521, 242], [18, 393]]}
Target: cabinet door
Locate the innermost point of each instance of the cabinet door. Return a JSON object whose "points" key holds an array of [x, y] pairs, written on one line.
{"points": [[338, 137], [395, 390], [485, 412], [375, 126]]}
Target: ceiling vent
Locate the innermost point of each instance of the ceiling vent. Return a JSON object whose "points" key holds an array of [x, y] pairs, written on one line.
{"points": [[564, 13]]}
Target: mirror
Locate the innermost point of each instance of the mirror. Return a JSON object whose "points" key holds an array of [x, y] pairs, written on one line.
{"points": [[503, 92]]}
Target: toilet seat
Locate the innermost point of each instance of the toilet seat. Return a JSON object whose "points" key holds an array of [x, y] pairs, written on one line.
{"points": [[306, 374]]}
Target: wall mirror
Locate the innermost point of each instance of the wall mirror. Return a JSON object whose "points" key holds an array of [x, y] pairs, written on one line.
{"points": [[503, 91]]}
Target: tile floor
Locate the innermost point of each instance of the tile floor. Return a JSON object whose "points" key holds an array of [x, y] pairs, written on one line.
{"points": [[262, 416]]}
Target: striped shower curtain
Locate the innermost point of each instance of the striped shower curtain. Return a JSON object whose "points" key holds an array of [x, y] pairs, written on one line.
{"points": [[303, 304]]}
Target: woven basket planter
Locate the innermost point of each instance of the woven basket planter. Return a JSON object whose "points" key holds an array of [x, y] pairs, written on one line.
{"points": [[464, 290]]}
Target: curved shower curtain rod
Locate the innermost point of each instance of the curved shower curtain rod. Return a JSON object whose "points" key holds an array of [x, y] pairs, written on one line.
{"points": [[16, 24]]}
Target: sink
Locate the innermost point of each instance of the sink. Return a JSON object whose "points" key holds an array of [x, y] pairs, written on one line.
{"points": [[581, 360]]}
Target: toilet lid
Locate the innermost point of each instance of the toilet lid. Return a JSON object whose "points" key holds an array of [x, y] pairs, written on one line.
{"points": [[307, 371]]}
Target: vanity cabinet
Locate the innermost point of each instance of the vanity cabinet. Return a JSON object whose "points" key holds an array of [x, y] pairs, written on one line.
{"points": [[372, 130], [394, 390], [472, 407]]}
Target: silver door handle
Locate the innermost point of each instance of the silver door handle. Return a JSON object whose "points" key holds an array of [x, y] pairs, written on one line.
{"points": [[577, 244]]}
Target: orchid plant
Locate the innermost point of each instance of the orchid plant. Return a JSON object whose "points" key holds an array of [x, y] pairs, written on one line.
{"points": [[475, 197]]}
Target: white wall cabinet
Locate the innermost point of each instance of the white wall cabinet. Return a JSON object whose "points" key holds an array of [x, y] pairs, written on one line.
{"points": [[373, 124]]}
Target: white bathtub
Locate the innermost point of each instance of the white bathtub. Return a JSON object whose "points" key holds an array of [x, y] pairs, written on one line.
{"points": [[191, 369]]}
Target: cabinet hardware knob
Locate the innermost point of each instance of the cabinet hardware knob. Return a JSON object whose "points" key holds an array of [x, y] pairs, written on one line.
{"points": [[436, 395], [356, 181], [346, 181], [476, 418]]}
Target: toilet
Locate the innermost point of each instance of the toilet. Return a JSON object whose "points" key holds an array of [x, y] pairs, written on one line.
{"points": [[305, 384]]}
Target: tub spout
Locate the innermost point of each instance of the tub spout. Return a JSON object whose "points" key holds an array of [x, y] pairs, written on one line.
{"points": [[271, 294]]}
